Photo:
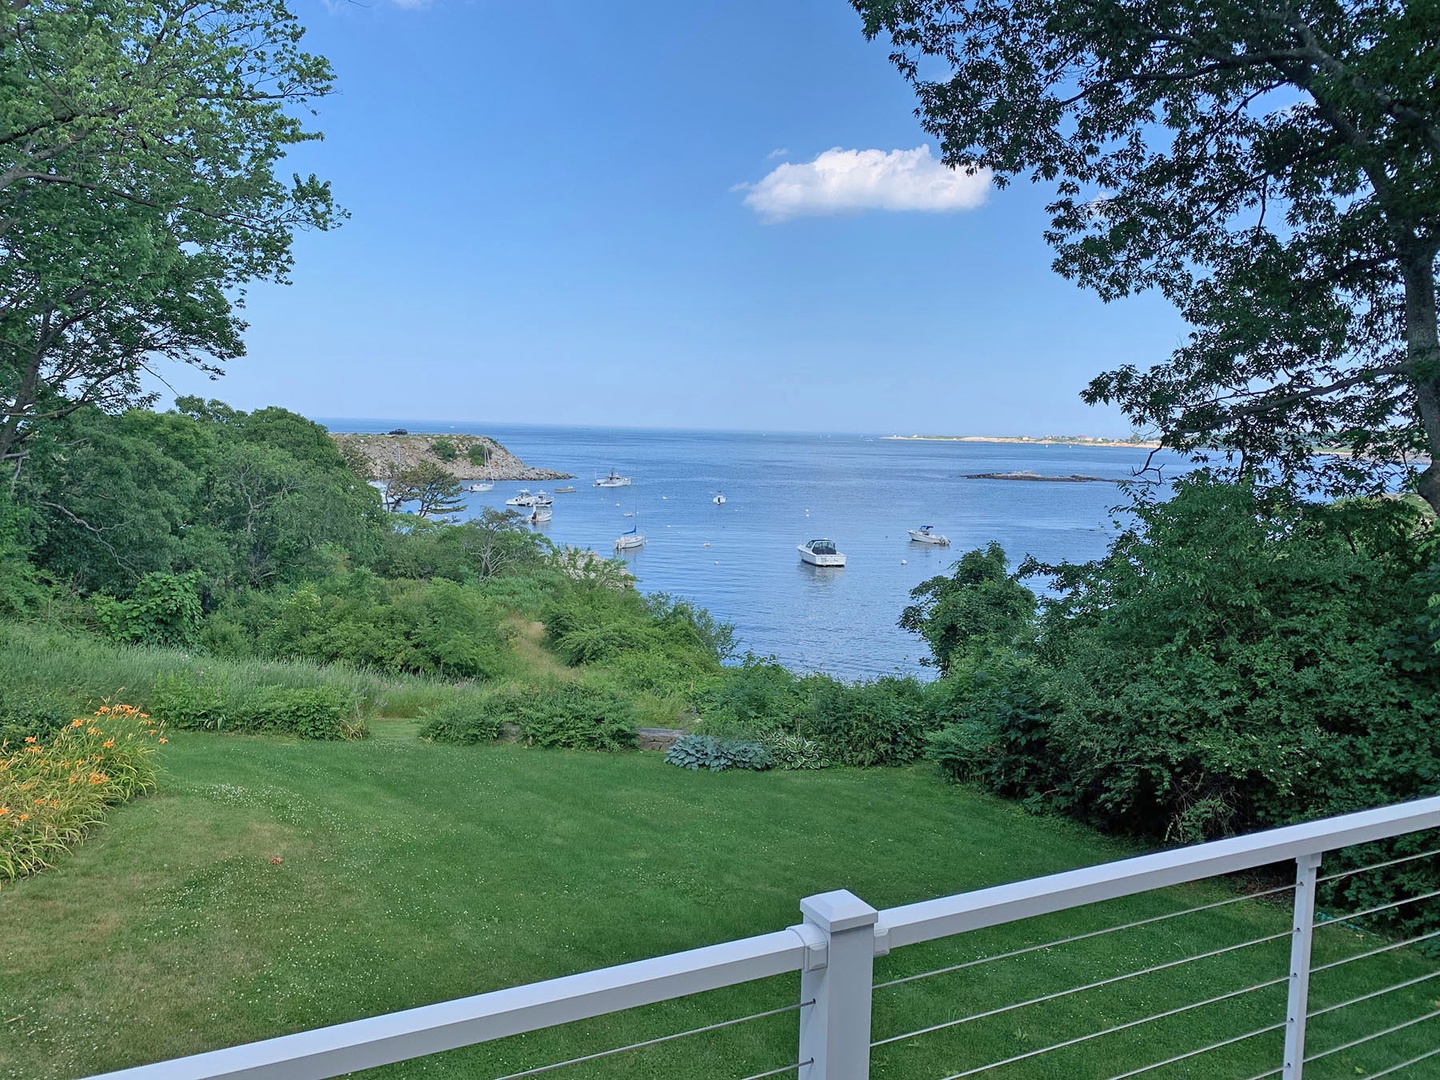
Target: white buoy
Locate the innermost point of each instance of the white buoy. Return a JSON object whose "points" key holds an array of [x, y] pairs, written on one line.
{"points": [[904, 562], [705, 545]]}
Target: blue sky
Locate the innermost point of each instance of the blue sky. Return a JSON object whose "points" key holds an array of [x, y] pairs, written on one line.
{"points": [[561, 214]]}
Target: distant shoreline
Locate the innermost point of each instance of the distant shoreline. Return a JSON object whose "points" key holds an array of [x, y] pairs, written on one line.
{"points": [[1048, 440]]}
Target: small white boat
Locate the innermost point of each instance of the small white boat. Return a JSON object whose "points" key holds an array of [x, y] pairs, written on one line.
{"points": [[821, 553], [613, 480], [543, 498], [483, 485], [540, 515], [926, 534], [719, 499], [524, 498], [629, 541], [564, 490]]}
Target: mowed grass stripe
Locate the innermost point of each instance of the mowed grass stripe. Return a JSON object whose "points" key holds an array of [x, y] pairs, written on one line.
{"points": [[410, 873]]}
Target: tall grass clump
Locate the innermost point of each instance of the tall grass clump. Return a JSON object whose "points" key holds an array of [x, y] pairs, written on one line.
{"points": [[54, 791]]}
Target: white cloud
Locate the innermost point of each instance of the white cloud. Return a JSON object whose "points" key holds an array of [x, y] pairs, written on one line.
{"points": [[777, 152], [847, 181]]}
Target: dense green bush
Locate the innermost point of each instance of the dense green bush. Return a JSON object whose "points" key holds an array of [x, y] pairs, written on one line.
{"points": [[876, 723], [444, 449], [163, 610], [191, 701], [477, 717], [578, 716], [759, 695], [435, 627], [570, 715], [717, 753], [27, 711]]}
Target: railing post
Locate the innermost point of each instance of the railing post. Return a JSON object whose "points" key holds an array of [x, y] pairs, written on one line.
{"points": [[1307, 868], [835, 1031]]}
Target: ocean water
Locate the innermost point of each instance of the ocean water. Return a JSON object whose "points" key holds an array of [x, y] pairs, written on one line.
{"points": [[739, 560]]}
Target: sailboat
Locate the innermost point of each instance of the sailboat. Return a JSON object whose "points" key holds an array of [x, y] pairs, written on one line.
{"points": [[719, 499], [629, 541]]}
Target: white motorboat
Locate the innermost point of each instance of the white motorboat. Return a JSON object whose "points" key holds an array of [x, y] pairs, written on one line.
{"points": [[821, 553], [719, 499], [483, 485], [613, 480], [564, 490], [629, 541], [543, 498], [524, 498], [926, 534], [539, 515]]}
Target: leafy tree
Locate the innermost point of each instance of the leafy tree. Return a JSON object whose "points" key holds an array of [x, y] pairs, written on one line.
{"points": [[978, 604], [1273, 170], [427, 483], [138, 142]]}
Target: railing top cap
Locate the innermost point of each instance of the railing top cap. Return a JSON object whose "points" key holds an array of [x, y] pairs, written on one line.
{"points": [[838, 910]]}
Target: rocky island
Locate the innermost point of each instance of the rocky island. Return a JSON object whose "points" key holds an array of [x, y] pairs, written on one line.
{"points": [[466, 457], [1073, 478]]}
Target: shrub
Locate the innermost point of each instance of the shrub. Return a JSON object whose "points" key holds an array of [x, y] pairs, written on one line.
{"points": [[759, 695], [717, 753], [876, 723], [319, 712], [478, 453], [444, 449], [164, 610], [53, 791], [578, 716], [473, 718], [25, 711], [187, 700], [572, 716]]}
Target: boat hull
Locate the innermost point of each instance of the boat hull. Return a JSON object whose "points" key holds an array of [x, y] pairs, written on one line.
{"points": [[629, 543], [929, 538], [809, 557]]}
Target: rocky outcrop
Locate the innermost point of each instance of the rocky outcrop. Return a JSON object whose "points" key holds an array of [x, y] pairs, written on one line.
{"points": [[382, 453], [1073, 478]]}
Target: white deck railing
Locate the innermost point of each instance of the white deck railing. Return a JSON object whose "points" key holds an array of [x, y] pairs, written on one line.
{"points": [[834, 949]]}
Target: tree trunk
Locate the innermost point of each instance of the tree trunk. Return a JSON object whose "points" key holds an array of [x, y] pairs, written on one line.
{"points": [[1423, 353]]}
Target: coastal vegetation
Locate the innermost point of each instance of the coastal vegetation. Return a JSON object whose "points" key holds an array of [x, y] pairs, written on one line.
{"points": [[373, 741]]}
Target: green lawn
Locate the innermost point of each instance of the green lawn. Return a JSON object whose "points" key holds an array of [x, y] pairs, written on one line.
{"points": [[409, 873]]}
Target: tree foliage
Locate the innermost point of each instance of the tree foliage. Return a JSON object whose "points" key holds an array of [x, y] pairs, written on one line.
{"points": [[1239, 659], [1273, 170], [978, 605], [138, 143]]}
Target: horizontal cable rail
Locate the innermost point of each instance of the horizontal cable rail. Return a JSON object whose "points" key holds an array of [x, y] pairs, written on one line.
{"points": [[1378, 866], [656, 1041], [1119, 1027], [1340, 920], [1372, 995], [1375, 952], [1404, 1064], [1372, 1037], [1085, 937], [782, 1069], [1081, 989], [1202, 1050]]}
